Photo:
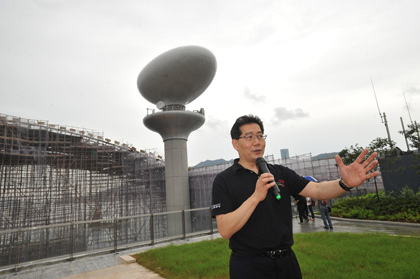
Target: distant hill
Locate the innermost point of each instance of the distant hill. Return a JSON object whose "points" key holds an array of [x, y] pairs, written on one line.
{"points": [[324, 155], [207, 163]]}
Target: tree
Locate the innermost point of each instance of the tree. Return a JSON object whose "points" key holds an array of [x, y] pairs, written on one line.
{"points": [[349, 155], [383, 146], [412, 134]]}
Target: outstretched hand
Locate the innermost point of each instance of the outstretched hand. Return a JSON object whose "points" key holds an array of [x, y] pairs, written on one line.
{"points": [[356, 173]]}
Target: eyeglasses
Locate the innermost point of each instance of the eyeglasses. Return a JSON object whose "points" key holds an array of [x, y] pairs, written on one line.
{"points": [[260, 137]]}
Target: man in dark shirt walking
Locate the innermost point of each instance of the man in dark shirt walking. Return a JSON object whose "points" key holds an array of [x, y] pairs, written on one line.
{"points": [[302, 209]]}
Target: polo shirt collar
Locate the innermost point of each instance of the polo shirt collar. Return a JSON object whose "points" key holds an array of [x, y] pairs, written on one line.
{"points": [[236, 166]]}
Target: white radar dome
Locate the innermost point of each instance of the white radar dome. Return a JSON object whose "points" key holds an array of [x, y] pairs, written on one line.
{"points": [[178, 76]]}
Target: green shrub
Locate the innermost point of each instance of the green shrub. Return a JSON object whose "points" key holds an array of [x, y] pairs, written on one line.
{"points": [[404, 207]]}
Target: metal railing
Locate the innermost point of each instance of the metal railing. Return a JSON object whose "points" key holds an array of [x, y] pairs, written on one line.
{"points": [[65, 241]]}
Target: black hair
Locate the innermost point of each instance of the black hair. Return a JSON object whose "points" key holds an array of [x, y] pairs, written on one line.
{"points": [[235, 132]]}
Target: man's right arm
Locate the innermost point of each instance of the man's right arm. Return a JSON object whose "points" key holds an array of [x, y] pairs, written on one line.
{"points": [[228, 224]]}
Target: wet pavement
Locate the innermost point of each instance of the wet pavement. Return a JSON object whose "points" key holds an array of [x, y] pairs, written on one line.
{"points": [[359, 226], [106, 265]]}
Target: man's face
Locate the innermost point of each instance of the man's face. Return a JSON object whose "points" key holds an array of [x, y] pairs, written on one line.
{"points": [[249, 151]]}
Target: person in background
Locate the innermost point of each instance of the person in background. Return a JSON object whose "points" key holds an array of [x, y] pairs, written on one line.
{"points": [[302, 209], [325, 215], [309, 203]]}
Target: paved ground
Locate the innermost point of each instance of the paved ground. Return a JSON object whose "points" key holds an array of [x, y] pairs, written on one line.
{"points": [[106, 266]]}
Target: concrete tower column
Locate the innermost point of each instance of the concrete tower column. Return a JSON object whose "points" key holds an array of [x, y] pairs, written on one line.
{"points": [[176, 174], [172, 80]]}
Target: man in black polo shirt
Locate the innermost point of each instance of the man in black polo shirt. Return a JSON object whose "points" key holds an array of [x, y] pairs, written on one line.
{"points": [[258, 225]]}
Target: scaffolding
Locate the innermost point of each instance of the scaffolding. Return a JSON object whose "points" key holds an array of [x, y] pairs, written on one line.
{"points": [[51, 174]]}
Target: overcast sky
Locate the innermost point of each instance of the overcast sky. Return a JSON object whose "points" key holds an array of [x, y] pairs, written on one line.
{"points": [[304, 67]]}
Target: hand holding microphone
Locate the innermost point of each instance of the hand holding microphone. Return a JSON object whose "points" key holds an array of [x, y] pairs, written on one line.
{"points": [[262, 165]]}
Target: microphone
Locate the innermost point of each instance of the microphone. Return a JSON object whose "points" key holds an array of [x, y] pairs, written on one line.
{"points": [[262, 165]]}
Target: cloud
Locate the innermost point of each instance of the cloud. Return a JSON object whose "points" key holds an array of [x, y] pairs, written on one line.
{"points": [[254, 97], [215, 124], [86, 56], [412, 90], [283, 114]]}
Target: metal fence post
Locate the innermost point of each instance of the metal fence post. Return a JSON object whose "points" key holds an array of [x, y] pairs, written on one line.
{"points": [[115, 235], [71, 241], [152, 230], [184, 233], [20, 242], [211, 221]]}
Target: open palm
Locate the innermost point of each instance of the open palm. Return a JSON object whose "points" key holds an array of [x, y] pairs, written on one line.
{"points": [[356, 173]]}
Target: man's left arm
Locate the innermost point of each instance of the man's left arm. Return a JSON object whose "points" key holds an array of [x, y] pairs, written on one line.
{"points": [[352, 175]]}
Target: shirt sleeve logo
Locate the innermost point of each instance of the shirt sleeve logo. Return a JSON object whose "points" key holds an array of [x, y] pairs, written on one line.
{"points": [[214, 206]]}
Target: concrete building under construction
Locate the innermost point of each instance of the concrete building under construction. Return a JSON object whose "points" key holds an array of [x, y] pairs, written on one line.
{"points": [[56, 174]]}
